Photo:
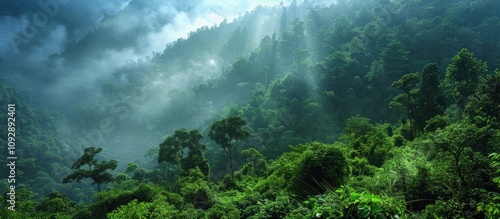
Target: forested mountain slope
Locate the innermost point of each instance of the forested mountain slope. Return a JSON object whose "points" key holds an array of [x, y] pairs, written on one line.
{"points": [[357, 109]]}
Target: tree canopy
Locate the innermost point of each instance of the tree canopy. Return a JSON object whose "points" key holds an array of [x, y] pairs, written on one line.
{"points": [[96, 171], [227, 133]]}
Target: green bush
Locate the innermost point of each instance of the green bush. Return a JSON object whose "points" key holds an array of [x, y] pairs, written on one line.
{"points": [[366, 205], [189, 212], [361, 166], [491, 207], [112, 200], [228, 183], [300, 213], [278, 208], [133, 209], [196, 190], [321, 166], [442, 209], [223, 211], [324, 206], [138, 210]]}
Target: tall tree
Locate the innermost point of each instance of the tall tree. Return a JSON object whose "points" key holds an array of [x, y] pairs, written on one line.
{"points": [[172, 149], [335, 82], [394, 59], [430, 101], [227, 133], [195, 156], [96, 171], [463, 76], [486, 101], [454, 140], [406, 101]]}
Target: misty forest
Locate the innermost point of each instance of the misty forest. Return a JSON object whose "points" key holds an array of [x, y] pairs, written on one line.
{"points": [[239, 109]]}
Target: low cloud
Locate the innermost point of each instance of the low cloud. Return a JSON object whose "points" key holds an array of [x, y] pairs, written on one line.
{"points": [[89, 42]]}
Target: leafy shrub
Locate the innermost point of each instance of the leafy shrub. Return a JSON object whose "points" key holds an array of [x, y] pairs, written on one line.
{"points": [[57, 205], [248, 203], [366, 205], [272, 183], [247, 169], [320, 165], [491, 208], [442, 209], [224, 211], [361, 166], [278, 208], [438, 122], [398, 140], [112, 200], [300, 213], [189, 212], [228, 183], [133, 209], [195, 189], [368, 140], [157, 209], [324, 206]]}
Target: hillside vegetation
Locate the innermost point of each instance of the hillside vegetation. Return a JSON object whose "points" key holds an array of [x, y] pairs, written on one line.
{"points": [[359, 109]]}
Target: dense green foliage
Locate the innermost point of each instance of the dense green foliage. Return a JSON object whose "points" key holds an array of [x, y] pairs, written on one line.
{"points": [[359, 109], [96, 171], [227, 133]]}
